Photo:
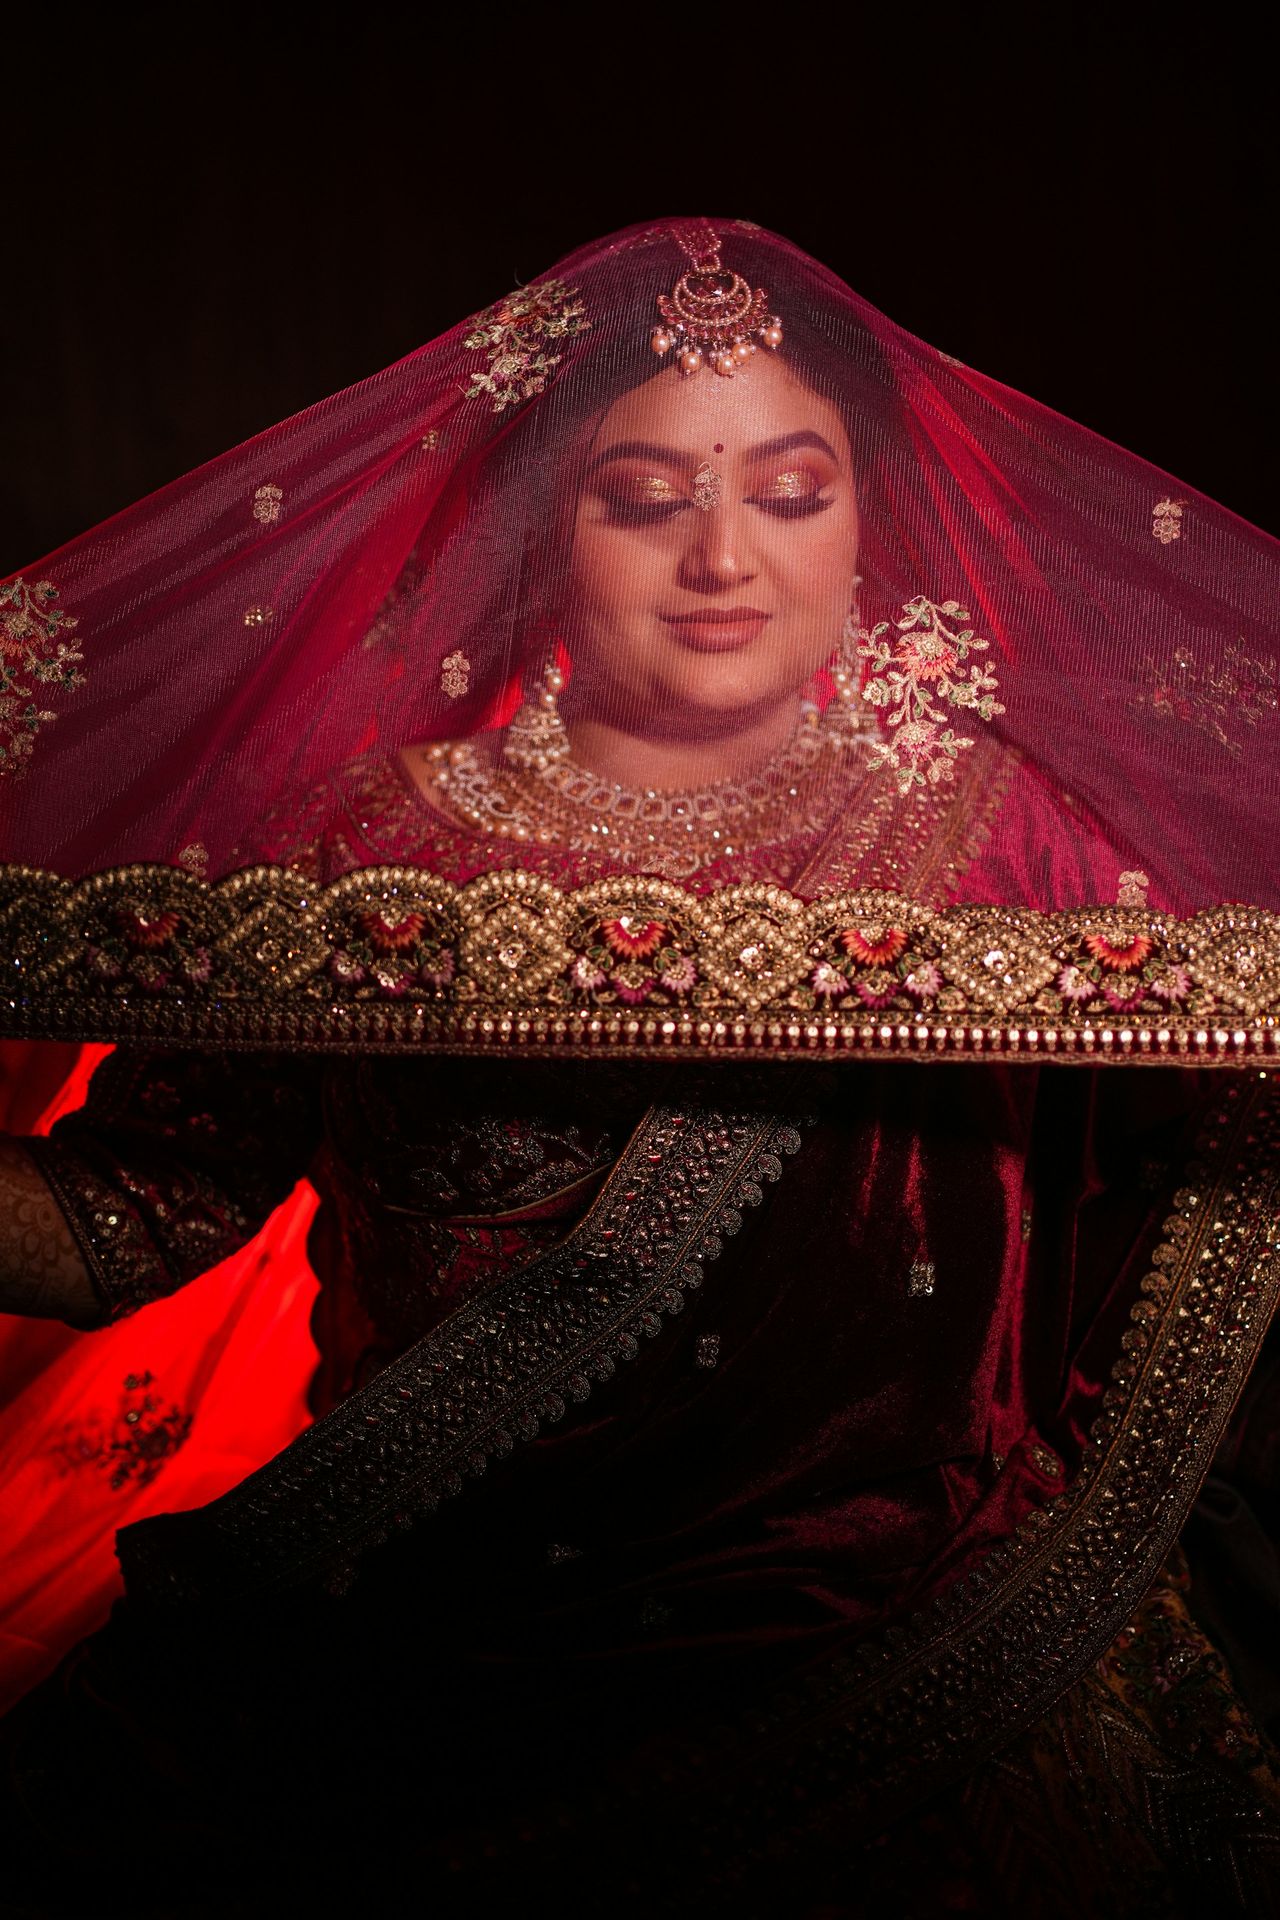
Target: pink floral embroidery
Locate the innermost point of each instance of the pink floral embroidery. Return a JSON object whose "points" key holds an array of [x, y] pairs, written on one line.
{"points": [[585, 974], [439, 972], [393, 986], [878, 989], [1073, 984], [677, 973], [1124, 1002], [924, 981], [1171, 983], [632, 985], [828, 982]]}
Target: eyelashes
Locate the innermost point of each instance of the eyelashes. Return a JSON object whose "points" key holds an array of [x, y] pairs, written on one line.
{"points": [[638, 513]]}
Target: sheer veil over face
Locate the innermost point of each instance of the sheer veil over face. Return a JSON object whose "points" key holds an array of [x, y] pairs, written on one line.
{"points": [[714, 558], [801, 603]]}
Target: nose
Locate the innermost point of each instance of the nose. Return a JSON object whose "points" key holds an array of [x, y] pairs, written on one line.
{"points": [[718, 553]]}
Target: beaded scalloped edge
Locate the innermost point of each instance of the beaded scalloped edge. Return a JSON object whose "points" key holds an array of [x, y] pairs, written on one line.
{"points": [[398, 959]]}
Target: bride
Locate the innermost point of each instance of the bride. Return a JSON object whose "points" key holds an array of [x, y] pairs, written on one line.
{"points": [[557, 800]]}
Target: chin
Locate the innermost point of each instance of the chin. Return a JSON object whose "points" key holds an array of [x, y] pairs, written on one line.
{"points": [[732, 689]]}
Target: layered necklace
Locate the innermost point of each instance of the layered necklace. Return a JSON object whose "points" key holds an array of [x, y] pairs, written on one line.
{"points": [[665, 831]]}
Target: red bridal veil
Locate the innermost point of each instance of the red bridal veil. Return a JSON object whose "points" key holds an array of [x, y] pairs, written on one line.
{"points": [[1033, 775]]}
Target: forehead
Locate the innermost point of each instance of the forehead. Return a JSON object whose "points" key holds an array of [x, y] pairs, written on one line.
{"points": [[761, 402]]}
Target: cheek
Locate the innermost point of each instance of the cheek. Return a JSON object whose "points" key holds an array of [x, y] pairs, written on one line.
{"points": [[820, 566], [609, 570]]}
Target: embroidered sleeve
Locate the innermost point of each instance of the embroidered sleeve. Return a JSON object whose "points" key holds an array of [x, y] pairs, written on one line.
{"points": [[176, 1160]]}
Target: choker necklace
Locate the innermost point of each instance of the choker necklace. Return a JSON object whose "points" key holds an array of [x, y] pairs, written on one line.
{"points": [[662, 830]]}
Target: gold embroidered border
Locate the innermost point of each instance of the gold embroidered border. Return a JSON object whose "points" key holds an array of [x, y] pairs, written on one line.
{"points": [[398, 959], [487, 1379], [858, 1741]]}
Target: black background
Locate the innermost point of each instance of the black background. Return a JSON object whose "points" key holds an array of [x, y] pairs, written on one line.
{"points": [[217, 218]]}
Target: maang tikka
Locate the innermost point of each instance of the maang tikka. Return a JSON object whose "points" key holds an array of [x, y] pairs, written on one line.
{"points": [[711, 312]]}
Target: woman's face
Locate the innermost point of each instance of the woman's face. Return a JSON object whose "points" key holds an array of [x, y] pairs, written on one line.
{"points": [[714, 549]]}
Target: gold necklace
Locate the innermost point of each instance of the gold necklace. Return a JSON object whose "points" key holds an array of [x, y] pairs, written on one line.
{"points": [[673, 832]]}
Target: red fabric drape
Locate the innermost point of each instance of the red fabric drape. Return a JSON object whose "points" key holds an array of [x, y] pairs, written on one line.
{"points": [[220, 1372]]}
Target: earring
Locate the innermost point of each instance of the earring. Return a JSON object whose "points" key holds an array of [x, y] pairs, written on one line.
{"points": [[536, 735], [851, 716]]}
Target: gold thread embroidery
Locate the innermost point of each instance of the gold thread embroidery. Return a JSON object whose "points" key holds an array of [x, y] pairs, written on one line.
{"points": [[455, 675], [1131, 890], [258, 616], [1217, 699], [876, 1730], [920, 1279], [33, 655], [1166, 520], [493, 1374], [515, 333], [397, 957], [266, 503], [911, 674]]}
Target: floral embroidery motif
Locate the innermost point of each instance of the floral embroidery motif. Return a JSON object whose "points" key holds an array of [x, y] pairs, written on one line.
{"points": [[431, 440], [455, 672], [912, 675], [706, 1352], [399, 957], [516, 333], [33, 655], [257, 616], [1219, 699], [266, 503], [1166, 520], [920, 1280], [133, 1445], [195, 858], [1132, 890]]}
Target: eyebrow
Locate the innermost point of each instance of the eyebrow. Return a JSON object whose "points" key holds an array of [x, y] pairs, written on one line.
{"points": [[680, 457]]}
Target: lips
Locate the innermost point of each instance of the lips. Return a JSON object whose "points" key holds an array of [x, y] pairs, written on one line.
{"points": [[718, 630]]}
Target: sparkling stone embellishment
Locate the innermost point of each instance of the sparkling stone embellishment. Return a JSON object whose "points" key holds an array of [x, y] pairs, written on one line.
{"points": [[920, 1279]]}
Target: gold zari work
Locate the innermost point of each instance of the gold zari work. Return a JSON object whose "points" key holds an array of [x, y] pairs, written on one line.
{"points": [[396, 958]]}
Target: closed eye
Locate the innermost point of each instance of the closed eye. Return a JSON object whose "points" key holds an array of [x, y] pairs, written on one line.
{"points": [[641, 513]]}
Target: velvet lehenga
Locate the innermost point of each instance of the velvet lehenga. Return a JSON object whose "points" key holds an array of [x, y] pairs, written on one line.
{"points": [[746, 1485]]}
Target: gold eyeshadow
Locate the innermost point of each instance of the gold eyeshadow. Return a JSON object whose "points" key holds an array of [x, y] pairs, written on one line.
{"points": [[795, 484], [648, 486]]}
